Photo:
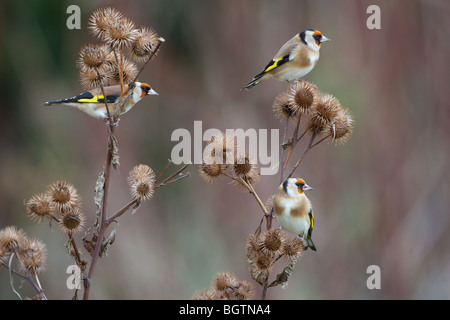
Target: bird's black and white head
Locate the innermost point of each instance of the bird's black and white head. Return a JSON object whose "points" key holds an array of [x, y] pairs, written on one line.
{"points": [[135, 93], [295, 186], [140, 90], [313, 38], [145, 89]]}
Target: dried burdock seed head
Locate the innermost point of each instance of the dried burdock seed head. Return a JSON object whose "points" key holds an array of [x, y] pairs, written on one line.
{"points": [[243, 165], [39, 206], [11, 238], [142, 182], [129, 71], [250, 178], [120, 33], [246, 169], [64, 196], [226, 286], [283, 106], [210, 171], [273, 241], [224, 281], [262, 264], [231, 287], [101, 20], [324, 112], [315, 124], [72, 221], [92, 56], [302, 95], [244, 291], [223, 148], [341, 129], [4, 256], [144, 44], [293, 248], [93, 78], [33, 256], [253, 246], [205, 295]]}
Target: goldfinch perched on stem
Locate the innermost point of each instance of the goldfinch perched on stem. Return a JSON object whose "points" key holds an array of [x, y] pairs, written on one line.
{"points": [[294, 211], [93, 102], [295, 59]]}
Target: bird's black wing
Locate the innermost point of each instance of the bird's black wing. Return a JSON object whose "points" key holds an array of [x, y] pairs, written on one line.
{"points": [[274, 63], [86, 97]]}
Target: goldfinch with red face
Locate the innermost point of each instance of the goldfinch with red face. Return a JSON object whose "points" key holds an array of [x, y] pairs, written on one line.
{"points": [[295, 59], [293, 210], [93, 102]]}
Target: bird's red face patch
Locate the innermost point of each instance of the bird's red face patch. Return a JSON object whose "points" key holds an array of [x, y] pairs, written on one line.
{"points": [[300, 183], [145, 88], [317, 35]]}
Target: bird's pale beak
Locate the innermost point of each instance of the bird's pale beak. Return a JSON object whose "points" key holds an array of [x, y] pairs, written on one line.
{"points": [[152, 92], [306, 187], [324, 39]]}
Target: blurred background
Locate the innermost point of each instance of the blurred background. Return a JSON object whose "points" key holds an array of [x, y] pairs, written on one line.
{"points": [[381, 199]]}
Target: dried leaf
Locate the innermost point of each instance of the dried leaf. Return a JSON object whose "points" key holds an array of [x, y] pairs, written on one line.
{"points": [[113, 144], [99, 191], [107, 242], [136, 207], [89, 245], [282, 278]]}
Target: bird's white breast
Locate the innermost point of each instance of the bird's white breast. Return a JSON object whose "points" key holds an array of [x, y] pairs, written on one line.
{"points": [[288, 223], [296, 74]]}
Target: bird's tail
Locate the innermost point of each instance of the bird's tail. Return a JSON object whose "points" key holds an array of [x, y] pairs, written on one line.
{"points": [[49, 103], [60, 101], [308, 243], [254, 82]]}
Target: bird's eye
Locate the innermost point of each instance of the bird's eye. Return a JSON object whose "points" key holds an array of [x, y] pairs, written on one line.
{"points": [[300, 185], [145, 89]]}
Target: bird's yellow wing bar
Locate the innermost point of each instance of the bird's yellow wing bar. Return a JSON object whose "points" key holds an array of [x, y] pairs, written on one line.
{"points": [[94, 99], [276, 63]]}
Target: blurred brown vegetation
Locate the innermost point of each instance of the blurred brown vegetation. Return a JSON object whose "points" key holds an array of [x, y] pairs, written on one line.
{"points": [[383, 198]]}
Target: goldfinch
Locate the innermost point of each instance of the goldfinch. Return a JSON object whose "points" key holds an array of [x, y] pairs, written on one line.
{"points": [[93, 102], [293, 210], [295, 59]]}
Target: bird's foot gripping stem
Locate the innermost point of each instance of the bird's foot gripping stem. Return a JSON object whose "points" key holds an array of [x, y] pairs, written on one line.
{"points": [[114, 123]]}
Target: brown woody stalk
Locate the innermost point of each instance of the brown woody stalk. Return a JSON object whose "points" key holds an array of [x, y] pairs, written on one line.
{"points": [[103, 219]]}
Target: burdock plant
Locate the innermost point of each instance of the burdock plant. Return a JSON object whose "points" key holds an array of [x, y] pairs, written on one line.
{"points": [[308, 115], [110, 62]]}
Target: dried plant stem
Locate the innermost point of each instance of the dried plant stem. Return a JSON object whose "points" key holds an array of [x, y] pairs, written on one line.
{"points": [[11, 279], [284, 146], [103, 219], [37, 286], [308, 147], [250, 188], [168, 180], [164, 170], [119, 63], [121, 67], [294, 142], [264, 288], [75, 248], [121, 211], [315, 144], [253, 192], [148, 60], [104, 95], [187, 174]]}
